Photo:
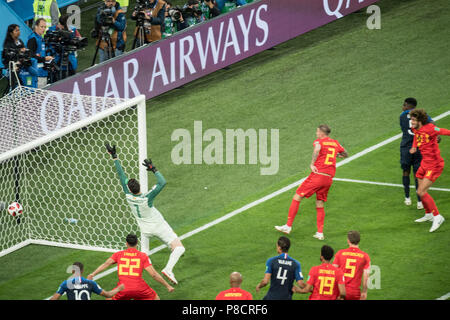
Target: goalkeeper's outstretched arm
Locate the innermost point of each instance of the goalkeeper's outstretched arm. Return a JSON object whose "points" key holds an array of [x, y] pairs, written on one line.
{"points": [[161, 182], [122, 176]]}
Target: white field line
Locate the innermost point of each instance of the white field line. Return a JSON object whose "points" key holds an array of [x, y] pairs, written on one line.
{"points": [[444, 297], [384, 184], [269, 196]]}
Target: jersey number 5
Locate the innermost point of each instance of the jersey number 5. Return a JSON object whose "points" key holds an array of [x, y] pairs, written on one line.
{"points": [[349, 265]]}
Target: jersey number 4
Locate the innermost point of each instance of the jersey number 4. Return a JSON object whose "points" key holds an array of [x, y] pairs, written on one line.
{"points": [[283, 277]]}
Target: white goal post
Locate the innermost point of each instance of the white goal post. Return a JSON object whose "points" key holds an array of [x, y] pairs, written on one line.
{"points": [[54, 162]]}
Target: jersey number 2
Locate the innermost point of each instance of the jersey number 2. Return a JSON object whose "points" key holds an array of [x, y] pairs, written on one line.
{"points": [[330, 155]]}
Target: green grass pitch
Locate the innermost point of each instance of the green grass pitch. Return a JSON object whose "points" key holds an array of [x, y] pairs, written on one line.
{"points": [[342, 74]]}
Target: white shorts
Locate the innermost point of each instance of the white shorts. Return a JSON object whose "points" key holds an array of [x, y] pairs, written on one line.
{"points": [[163, 231]]}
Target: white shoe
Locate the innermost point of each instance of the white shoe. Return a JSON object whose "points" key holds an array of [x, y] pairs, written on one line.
{"points": [[437, 221], [169, 275], [408, 201], [426, 217], [319, 236], [419, 205], [285, 229]]}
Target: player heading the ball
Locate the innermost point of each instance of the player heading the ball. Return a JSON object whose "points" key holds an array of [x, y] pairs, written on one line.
{"points": [[150, 220]]}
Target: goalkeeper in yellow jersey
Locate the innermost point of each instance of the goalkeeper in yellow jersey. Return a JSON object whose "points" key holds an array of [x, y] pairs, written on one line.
{"points": [[150, 220]]}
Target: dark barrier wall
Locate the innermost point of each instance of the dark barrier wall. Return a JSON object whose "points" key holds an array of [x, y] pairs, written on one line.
{"points": [[205, 48]]}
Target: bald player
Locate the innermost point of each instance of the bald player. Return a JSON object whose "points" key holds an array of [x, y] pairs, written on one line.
{"points": [[235, 292]]}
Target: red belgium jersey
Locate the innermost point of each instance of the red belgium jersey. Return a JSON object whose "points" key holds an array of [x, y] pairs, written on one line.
{"points": [[325, 279], [326, 161], [352, 262], [234, 294], [130, 264], [426, 140]]}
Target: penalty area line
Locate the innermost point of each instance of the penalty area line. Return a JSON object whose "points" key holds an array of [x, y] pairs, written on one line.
{"points": [[385, 184], [269, 196]]}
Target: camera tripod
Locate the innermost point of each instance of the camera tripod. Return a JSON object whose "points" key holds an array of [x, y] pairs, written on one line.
{"points": [[104, 36], [14, 79], [139, 36], [61, 71]]}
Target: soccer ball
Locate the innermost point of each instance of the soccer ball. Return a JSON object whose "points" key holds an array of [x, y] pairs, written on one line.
{"points": [[15, 209]]}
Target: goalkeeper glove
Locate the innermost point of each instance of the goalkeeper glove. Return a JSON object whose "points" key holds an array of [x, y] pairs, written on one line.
{"points": [[111, 150], [150, 167]]}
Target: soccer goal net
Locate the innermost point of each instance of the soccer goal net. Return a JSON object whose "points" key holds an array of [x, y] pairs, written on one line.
{"points": [[53, 161]]}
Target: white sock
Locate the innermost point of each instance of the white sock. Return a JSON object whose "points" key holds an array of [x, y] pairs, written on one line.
{"points": [[145, 244], [174, 256]]}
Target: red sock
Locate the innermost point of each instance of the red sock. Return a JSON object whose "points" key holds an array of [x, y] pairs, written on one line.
{"points": [[426, 206], [429, 203], [293, 209], [320, 219]]}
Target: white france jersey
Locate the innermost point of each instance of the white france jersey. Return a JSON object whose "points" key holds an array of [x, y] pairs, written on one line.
{"points": [[147, 217]]}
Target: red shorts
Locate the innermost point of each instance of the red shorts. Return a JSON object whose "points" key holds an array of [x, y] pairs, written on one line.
{"points": [[353, 295], [315, 183], [430, 173], [144, 293]]}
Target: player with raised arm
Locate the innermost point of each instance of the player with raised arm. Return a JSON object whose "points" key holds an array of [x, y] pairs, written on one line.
{"points": [[326, 282], [408, 160], [281, 272], [150, 220], [130, 265], [80, 288], [323, 167], [355, 264], [432, 164]]}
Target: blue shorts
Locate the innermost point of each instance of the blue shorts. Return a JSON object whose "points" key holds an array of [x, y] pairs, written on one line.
{"points": [[408, 160]]}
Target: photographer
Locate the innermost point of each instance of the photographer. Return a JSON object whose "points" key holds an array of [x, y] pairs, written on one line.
{"points": [[110, 25], [209, 9], [17, 59], [149, 16], [59, 40], [173, 21], [227, 5], [38, 52], [192, 13]]}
